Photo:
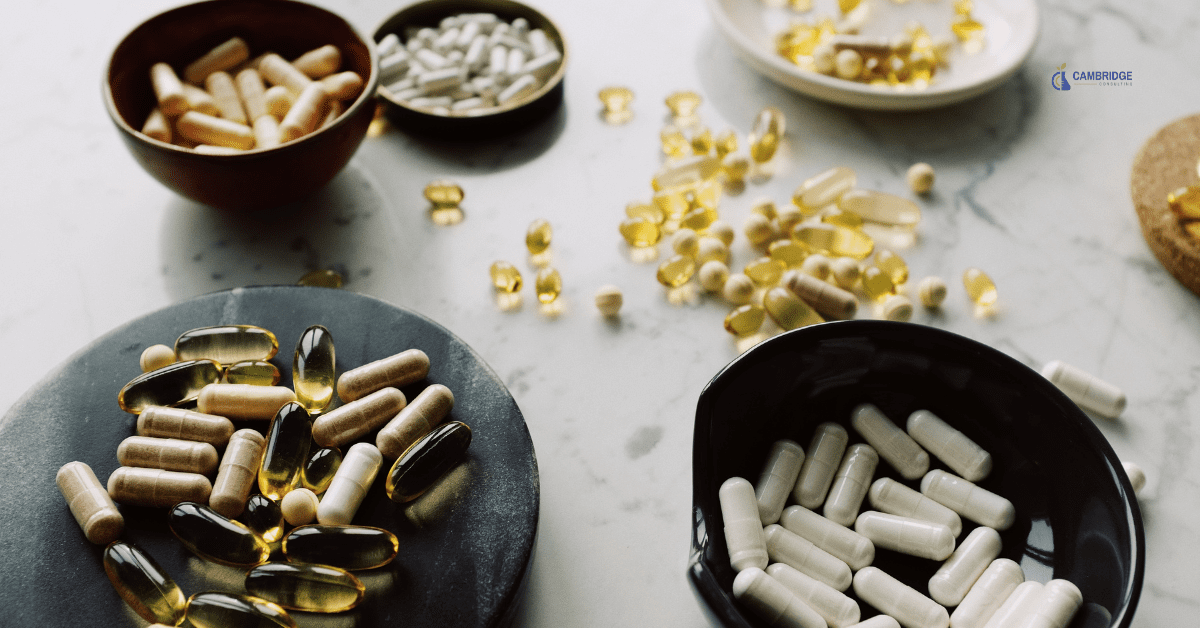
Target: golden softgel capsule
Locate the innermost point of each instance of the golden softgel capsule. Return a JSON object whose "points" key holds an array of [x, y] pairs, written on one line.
{"points": [[170, 385], [538, 236], [313, 369], [213, 537], [505, 276], [766, 134], [548, 284], [233, 610], [184, 424], [415, 420], [444, 193], [358, 418], [254, 372], [676, 271], [144, 586], [787, 310], [227, 344], [286, 451], [323, 463], [264, 517], [93, 509], [236, 475], [745, 319], [135, 486], [304, 587], [171, 454], [834, 241], [980, 287], [352, 548], [397, 371], [426, 461]]}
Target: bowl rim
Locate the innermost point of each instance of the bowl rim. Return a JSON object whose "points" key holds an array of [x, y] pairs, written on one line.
{"points": [[370, 85], [716, 601], [549, 85]]}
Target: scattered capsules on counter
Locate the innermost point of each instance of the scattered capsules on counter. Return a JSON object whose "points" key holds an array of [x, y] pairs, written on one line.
{"points": [[295, 463], [471, 64], [794, 565]]}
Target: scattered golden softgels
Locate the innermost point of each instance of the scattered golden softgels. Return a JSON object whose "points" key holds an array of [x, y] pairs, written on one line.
{"points": [[744, 320], [616, 104], [725, 143], [834, 240], [676, 271], [640, 232], [877, 284], [880, 207], [766, 134], [683, 104], [537, 237], [505, 276], [823, 189], [979, 286], [790, 252], [735, 167], [548, 284], [893, 265], [638, 209], [765, 271], [674, 142], [701, 141]]}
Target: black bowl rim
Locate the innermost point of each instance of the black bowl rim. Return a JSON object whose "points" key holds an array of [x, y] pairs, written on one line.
{"points": [[718, 602], [366, 98]]}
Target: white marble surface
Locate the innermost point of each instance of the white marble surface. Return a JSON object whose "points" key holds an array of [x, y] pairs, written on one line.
{"points": [[1032, 186]]}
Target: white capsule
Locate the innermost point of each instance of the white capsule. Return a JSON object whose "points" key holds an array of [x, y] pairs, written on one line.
{"points": [[987, 594], [445, 41], [835, 607], [350, 484], [850, 484], [519, 88], [914, 537], [892, 497], [538, 42], [820, 462], [977, 504], [893, 445], [949, 445], [520, 26], [743, 529], [1057, 605], [436, 82], [497, 62], [1018, 607], [878, 621], [430, 59], [955, 577], [476, 54], [408, 94], [774, 603], [777, 479], [902, 602], [467, 104], [467, 34], [514, 63], [785, 546], [1086, 390], [508, 41], [1137, 477], [845, 544], [388, 45], [431, 103], [542, 67]]}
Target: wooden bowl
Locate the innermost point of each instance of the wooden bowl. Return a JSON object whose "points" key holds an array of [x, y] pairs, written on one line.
{"points": [[258, 178]]}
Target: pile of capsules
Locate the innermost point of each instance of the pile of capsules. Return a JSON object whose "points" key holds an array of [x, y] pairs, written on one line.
{"points": [[506, 278], [235, 112], [169, 462], [471, 64], [908, 60], [814, 557]]}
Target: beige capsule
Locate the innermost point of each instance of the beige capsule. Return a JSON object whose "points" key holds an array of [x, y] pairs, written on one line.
{"points": [[278, 100], [252, 93], [205, 129], [398, 370], [165, 422], [223, 57], [200, 100], [170, 454], [168, 89], [425, 412], [825, 298], [358, 418], [237, 473], [91, 505], [278, 71], [266, 132], [244, 401], [343, 85], [306, 113], [320, 62], [157, 127], [225, 95], [156, 488]]}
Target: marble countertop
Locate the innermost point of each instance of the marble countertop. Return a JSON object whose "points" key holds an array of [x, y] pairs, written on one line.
{"points": [[1033, 186]]}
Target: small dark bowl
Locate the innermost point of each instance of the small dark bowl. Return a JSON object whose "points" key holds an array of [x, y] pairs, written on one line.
{"points": [[468, 125], [258, 178], [1077, 517]]}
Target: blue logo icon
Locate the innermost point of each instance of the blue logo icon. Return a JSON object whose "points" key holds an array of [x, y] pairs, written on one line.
{"points": [[1058, 80]]}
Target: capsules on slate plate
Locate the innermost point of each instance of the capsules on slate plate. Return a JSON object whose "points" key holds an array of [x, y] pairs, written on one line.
{"points": [[214, 537], [313, 368], [743, 528], [227, 344], [244, 401], [303, 587], [299, 507], [264, 517], [396, 371], [91, 505], [426, 461], [144, 586], [352, 548], [171, 454], [318, 472], [415, 420]]}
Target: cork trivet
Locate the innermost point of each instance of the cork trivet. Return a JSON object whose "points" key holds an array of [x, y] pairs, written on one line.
{"points": [[1165, 163]]}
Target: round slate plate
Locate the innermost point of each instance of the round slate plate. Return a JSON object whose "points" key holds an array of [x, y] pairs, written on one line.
{"points": [[465, 566]]}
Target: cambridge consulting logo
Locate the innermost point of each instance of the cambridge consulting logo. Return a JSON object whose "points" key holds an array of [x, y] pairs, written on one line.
{"points": [[1058, 80]]}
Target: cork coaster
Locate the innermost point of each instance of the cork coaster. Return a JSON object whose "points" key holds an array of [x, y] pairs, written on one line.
{"points": [[1165, 163]]}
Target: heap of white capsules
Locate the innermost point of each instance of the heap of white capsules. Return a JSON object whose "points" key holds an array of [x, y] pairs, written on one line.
{"points": [[794, 564], [471, 63]]}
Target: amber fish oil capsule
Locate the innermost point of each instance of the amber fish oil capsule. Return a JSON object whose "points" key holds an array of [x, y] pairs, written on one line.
{"points": [[1086, 390], [771, 601], [788, 311], [237, 473], [350, 484], [777, 478], [170, 385], [970, 559], [977, 504], [785, 546], [676, 271], [538, 236], [303, 587], [987, 594], [949, 445], [834, 240], [766, 134], [892, 443], [254, 372], [415, 420], [505, 276], [323, 463], [227, 344], [850, 484], [902, 602], [881, 207], [980, 288], [288, 441], [156, 488], [396, 371], [548, 284], [313, 369], [427, 460], [821, 461], [214, 537], [845, 544], [171, 454], [264, 517], [91, 505], [914, 537], [745, 319], [144, 586], [824, 188], [352, 548], [234, 610]]}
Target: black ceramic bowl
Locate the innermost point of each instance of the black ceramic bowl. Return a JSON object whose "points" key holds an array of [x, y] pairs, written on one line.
{"points": [[1077, 517]]}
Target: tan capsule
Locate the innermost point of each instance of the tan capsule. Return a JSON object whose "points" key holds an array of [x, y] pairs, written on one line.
{"points": [[266, 132], [252, 93], [156, 488], [210, 149], [156, 356], [200, 100], [824, 297], [223, 57], [168, 89], [304, 116], [343, 85], [398, 370], [358, 418], [278, 100], [93, 509], [206, 129], [164, 422], [320, 62], [244, 401], [237, 473], [278, 71], [416, 420], [170, 454], [225, 95], [157, 127]]}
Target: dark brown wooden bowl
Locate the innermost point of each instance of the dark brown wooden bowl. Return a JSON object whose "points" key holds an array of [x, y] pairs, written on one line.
{"points": [[259, 178]]}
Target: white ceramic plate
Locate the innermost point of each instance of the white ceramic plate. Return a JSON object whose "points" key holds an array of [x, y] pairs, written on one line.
{"points": [[1011, 31]]}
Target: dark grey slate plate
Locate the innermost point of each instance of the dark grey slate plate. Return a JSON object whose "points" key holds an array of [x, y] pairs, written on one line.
{"points": [[465, 567]]}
